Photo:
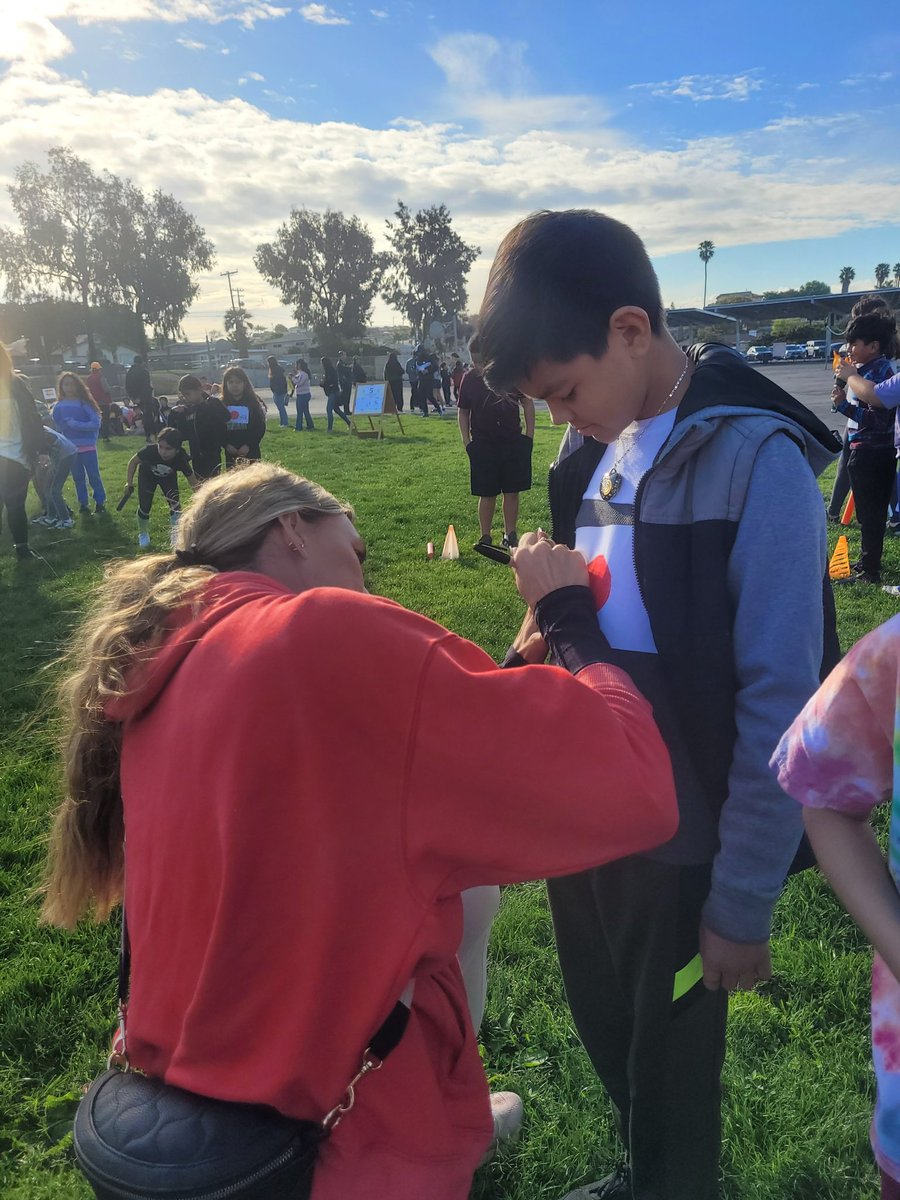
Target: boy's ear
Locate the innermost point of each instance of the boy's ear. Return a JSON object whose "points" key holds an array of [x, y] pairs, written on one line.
{"points": [[630, 327]]}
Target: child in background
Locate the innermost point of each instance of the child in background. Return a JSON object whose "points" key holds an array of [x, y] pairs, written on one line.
{"points": [[872, 463], [203, 421], [302, 394], [163, 411], [157, 467], [62, 454], [839, 759], [246, 418], [77, 417]]}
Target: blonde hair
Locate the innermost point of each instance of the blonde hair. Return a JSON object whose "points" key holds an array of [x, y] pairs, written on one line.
{"points": [[222, 529]]}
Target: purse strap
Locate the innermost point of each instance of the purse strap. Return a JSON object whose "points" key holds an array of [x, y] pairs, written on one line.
{"points": [[385, 1039]]}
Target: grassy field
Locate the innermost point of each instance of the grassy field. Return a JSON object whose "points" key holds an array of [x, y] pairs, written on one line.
{"points": [[798, 1086]]}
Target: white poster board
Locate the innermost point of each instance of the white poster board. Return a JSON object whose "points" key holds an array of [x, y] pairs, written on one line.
{"points": [[368, 400], [49, 394]]}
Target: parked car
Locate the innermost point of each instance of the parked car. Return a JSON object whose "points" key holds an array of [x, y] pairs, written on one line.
{"points": [[791, 353], [759, 354], [815, 348]]}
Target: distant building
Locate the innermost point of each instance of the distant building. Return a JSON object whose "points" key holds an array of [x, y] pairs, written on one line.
{"points": [[737, 297], [192, 356], [295, 341]]}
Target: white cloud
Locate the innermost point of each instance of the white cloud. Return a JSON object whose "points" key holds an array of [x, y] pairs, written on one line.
{"points": [[807, 86], [34, 37], [702, 88], [865, 80], [786, 180], [379, 13], [509, 102], [321, 14], [190, 44], [254, 75]]}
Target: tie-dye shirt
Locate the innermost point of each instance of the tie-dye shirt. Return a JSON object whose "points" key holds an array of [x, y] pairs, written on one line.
{"points": [[843, 752]]}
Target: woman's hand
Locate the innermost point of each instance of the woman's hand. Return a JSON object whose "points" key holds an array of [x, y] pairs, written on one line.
{"points": [[542, 566], [529, 643]]}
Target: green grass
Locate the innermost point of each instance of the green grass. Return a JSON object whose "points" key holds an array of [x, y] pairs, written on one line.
{"points": [[798, 1085]]}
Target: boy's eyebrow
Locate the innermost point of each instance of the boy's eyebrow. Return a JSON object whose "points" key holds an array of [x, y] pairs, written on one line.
{"points": [[545, 392]]}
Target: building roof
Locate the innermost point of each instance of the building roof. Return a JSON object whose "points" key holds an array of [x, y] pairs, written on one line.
{"points": [[833, 305]]}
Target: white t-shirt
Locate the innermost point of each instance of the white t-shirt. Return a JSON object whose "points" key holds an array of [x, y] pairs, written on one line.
{"points": [[604, 535], [11, 432]]}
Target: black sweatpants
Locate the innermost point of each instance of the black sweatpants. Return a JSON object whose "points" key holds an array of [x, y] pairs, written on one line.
{"points": [[623, 933], [872, 475], [147, 485], [841, 489], [13, 492]]}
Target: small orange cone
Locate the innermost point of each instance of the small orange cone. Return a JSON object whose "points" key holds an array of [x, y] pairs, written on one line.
{"points": [[839, 567], [849, 510], [451, 545]]}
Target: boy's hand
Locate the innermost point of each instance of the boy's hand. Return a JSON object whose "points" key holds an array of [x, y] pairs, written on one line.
{"points": [[734, 966], [846, 369]]}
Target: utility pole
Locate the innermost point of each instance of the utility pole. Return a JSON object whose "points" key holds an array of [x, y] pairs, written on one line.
{"points": [[227, 275]]}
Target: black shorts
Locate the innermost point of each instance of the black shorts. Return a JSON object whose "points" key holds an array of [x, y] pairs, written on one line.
{"points": [[500, 465]]}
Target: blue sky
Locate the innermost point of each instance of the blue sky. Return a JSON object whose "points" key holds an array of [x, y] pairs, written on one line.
{"points": [[769, 131]]}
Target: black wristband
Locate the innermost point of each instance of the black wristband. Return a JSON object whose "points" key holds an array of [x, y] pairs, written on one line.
{"points": [[567, 619], [513, 658]]}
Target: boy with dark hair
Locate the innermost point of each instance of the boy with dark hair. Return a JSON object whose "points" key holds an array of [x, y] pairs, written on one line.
{"points": [[872, 462], [203, 421], [668, 480], [157, 466]]}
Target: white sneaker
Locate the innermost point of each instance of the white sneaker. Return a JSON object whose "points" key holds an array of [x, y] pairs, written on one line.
{"points": [[892, 589], [68, 523], [143, 540]]}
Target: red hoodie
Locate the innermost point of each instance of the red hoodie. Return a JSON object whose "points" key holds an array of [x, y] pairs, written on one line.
{"points": [[300, 823]]}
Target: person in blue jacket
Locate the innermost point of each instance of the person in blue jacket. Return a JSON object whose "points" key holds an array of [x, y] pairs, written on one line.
{"points": [[77, 417]]}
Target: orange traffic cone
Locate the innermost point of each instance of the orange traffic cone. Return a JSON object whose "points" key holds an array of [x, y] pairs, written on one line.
{"points": [[839, 567], [451, 545], [849, 510]]}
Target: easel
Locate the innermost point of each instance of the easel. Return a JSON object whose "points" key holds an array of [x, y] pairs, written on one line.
{"points": [[371, 400]]}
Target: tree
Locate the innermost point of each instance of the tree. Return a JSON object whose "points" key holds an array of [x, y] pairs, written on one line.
{"points": [[237, 323], [814, 287], [706, 251], [49, 326], [797, 329], [102, 240], [428, 265], [846, 277], [327, 269], [157, 247], [882, 271], [279, 330], [896, 270], [62, 243]]}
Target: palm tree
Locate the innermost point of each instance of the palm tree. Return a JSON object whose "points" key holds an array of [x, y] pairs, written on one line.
{"points": [[846, 277], [897, 275], [707, 250], [237, 323], [882, 270]]}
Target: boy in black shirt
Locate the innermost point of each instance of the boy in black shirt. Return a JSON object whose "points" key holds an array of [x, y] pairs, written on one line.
{"points": [[203, 421], [157, 467]]}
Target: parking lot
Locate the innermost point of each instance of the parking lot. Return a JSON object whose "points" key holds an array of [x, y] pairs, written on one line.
{"points": [[808, 382]]}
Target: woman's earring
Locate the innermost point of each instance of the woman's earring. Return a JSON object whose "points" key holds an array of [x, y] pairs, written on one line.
{"points": [[293, 546]]}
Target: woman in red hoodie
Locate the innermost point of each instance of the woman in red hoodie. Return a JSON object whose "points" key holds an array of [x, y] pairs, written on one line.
{"points": [[284, 891]]}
